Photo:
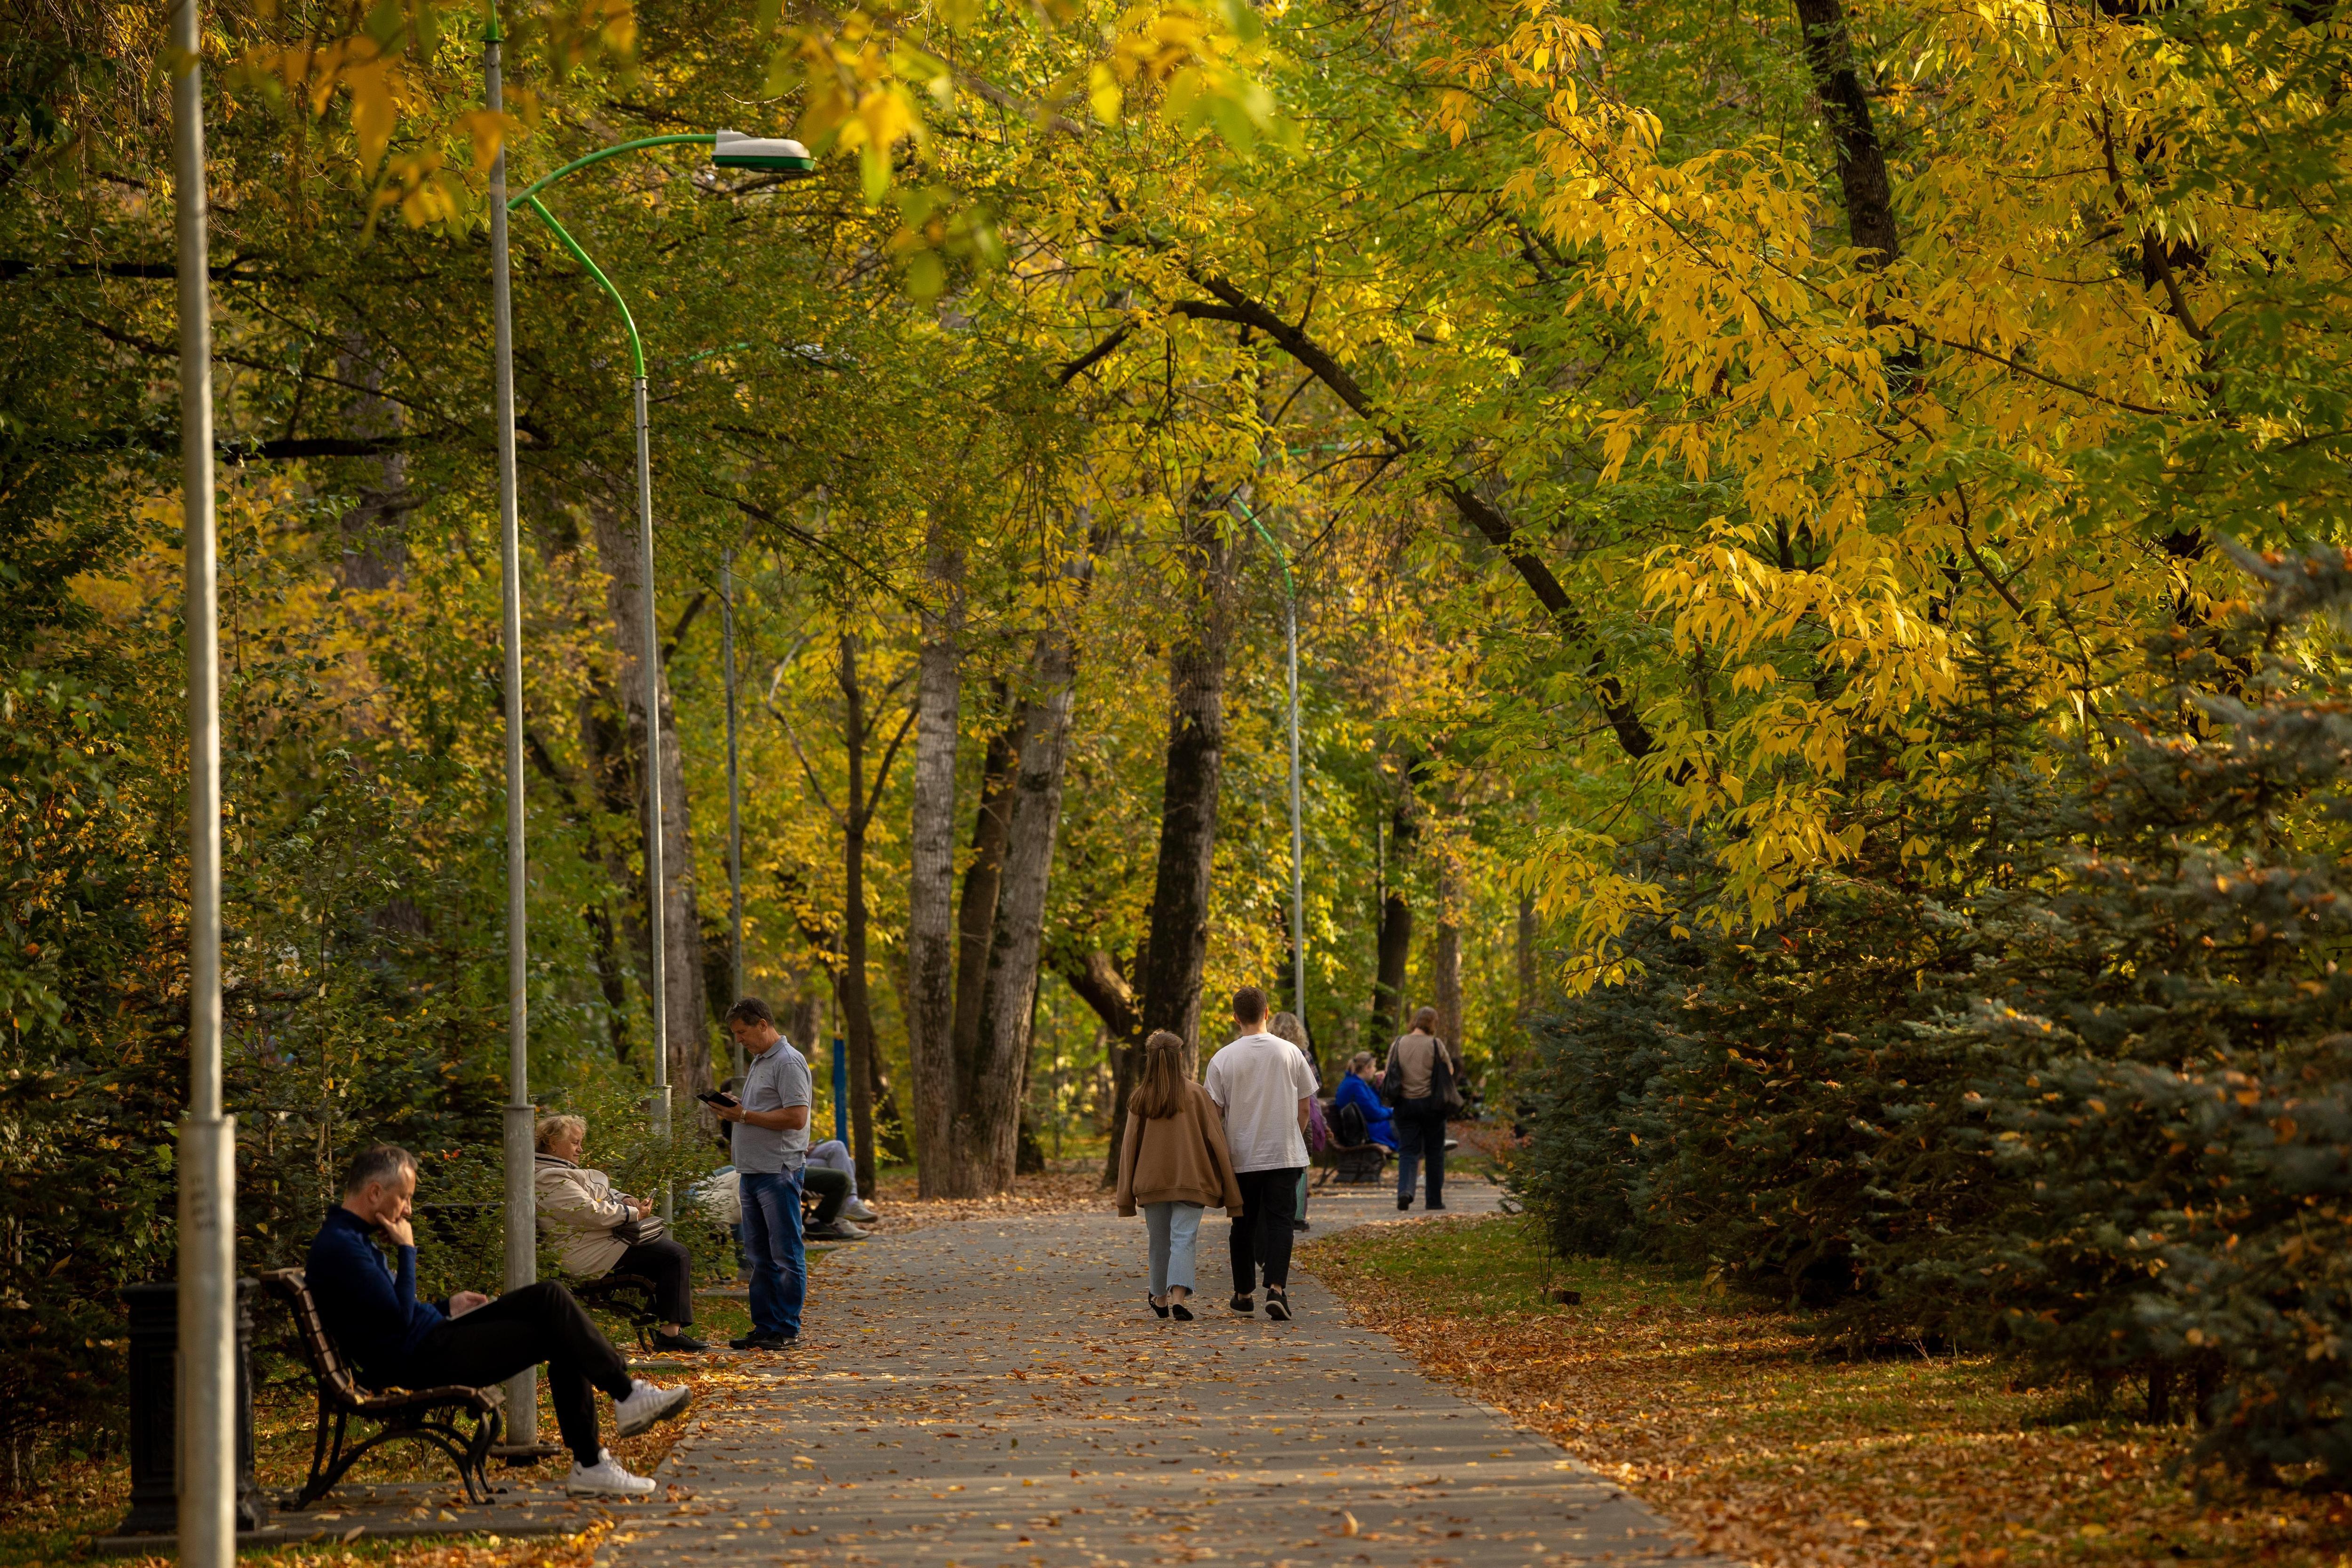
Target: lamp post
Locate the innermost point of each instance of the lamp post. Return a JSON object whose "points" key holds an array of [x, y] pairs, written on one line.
{"points": [[1298, 839], [734, 803], [206, 1391], [730, 150]]}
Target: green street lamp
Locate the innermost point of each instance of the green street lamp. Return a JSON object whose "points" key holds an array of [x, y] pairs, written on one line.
{"points": [[730, 150]]}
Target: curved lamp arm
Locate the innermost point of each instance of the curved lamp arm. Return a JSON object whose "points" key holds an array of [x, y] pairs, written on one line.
{"points": [[636, 346]]}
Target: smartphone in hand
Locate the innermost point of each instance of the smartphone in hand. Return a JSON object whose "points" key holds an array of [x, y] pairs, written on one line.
{"points": [[720, 1097]]}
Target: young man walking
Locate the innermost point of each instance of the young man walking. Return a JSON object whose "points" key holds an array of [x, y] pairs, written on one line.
{"points": [[1263, 1085], [769, 1143]]}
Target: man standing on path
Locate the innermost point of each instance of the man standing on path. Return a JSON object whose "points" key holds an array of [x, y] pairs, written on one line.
{"points": [[1411, 1086], [769, 1143], [1262, 1086]]}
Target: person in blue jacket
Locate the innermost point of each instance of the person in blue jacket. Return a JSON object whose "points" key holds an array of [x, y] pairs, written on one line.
{"points": [[1357, 1090], [373, 1316]]}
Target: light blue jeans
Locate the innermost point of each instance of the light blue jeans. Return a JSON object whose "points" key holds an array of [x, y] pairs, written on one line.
{"points": [[1173, 1229]]}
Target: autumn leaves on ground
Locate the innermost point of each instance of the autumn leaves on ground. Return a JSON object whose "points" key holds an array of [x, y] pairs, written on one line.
{"points": [[1717, 1412], [1714, 1409]]}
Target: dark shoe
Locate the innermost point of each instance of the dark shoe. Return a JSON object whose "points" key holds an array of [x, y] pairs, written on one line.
{"points": [[761, 1339], [1243, 1301], [1298, 1225], [1277, 1306], [680, 1341], [1432, 1208], [1183, 1313], [1155, 1306], [839, 1230], [1403, 1203]]}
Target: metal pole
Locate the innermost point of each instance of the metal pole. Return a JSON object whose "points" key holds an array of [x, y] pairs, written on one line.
{"points": [[522, 1203], [659, 1112], [734, 793], [206, 1395], [1297, 842]]}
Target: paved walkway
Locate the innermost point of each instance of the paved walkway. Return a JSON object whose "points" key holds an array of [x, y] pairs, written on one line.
{"points": [[995, 1392]]}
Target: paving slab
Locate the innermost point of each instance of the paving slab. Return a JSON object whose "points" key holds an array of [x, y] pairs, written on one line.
{"points": [[402, 1510], [994, 1391]]}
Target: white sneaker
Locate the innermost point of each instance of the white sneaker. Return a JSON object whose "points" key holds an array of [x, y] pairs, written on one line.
{"points": [[606, 1476], [860, 1210], [646, 1405]]}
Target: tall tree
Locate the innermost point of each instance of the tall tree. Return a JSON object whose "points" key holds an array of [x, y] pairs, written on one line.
{"points": [[930, 883], [1195, 757]]}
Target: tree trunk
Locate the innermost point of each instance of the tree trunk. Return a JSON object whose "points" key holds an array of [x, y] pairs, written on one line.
{"points": [[1396, 925], [975, 925], [931, 1002], [375, 538], [988, 1110], [1177, 945], [1446, 957], [687, 1003], [1860, 160], [1099, 984], [857, 1006]]}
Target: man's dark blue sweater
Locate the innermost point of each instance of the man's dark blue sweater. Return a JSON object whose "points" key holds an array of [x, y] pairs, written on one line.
{"points": [[371, 1313]]}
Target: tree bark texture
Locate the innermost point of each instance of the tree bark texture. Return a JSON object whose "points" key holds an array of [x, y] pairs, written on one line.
{"points": [[976, 915], [375, 537], [930, 897], [1099, 984], [857, 1004], [687, 1002], [987, 1117], [1178, 946], [1846, 104], [1446, 950], [1395, 939]]}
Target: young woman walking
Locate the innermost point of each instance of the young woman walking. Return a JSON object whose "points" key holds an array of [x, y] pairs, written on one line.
{"points": [[1173, 1164]]}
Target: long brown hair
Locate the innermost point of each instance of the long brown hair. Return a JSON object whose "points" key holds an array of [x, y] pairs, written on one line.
{"points": [[1162, 1092]]}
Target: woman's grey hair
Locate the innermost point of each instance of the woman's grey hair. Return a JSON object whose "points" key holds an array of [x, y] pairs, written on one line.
{"points": [[551, 1127], [1360, 1061], [1286, 1026]]}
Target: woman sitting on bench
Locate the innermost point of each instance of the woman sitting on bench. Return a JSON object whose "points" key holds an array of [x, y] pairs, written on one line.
{"points": [[597, 1231], [1356, 1089]]}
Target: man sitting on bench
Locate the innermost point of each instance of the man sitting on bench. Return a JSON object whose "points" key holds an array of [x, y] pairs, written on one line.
{"points": [[398, 1342]]}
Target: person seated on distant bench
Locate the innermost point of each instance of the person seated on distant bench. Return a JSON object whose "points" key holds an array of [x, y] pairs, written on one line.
{"points": [[1357, 1090], [471, 1341], [831, 1178], [597, 1231]]}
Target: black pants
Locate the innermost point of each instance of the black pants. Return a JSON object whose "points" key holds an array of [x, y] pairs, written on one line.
{"points": [[537, 1323], [1259, 1242], [831, 1188], [671, 1269]]}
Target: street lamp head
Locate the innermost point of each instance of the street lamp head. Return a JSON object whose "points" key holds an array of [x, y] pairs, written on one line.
{"points": [[769, 154]]}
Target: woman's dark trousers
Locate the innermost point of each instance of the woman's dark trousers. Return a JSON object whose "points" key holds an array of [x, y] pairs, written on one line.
{"points": [[1421, 1135], [671, 1269], [536, 1323], [1259, 1242]]}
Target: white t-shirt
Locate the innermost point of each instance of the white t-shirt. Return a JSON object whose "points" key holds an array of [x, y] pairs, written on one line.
{"points": [[1257, 1082]]}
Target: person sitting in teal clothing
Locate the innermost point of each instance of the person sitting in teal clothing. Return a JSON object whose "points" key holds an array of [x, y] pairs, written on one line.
{"points": [[1357, 1090]]}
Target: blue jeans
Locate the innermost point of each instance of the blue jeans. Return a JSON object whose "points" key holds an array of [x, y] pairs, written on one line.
{"points": [[1420, 1132], [1173, 1229], [771, 1246]]}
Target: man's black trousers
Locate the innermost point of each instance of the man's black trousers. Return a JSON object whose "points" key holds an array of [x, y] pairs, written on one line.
{"points": [[1259, 1242], [537, 1323]]}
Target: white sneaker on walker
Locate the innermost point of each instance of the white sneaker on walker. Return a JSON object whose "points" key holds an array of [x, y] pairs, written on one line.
{"points": [[646, 1405], [860, 1210], [607, 1478]]}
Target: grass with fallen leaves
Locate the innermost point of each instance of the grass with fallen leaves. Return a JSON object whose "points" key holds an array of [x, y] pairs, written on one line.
{"points": [[1714, 1410]]}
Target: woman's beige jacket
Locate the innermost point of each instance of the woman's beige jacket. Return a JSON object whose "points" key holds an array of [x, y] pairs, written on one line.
{"points": [[577, 1211], [1179, 1159]]}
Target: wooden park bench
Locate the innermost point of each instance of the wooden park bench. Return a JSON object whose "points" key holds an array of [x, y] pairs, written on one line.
{"points": [[630, 1296], [433, 1415]]}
